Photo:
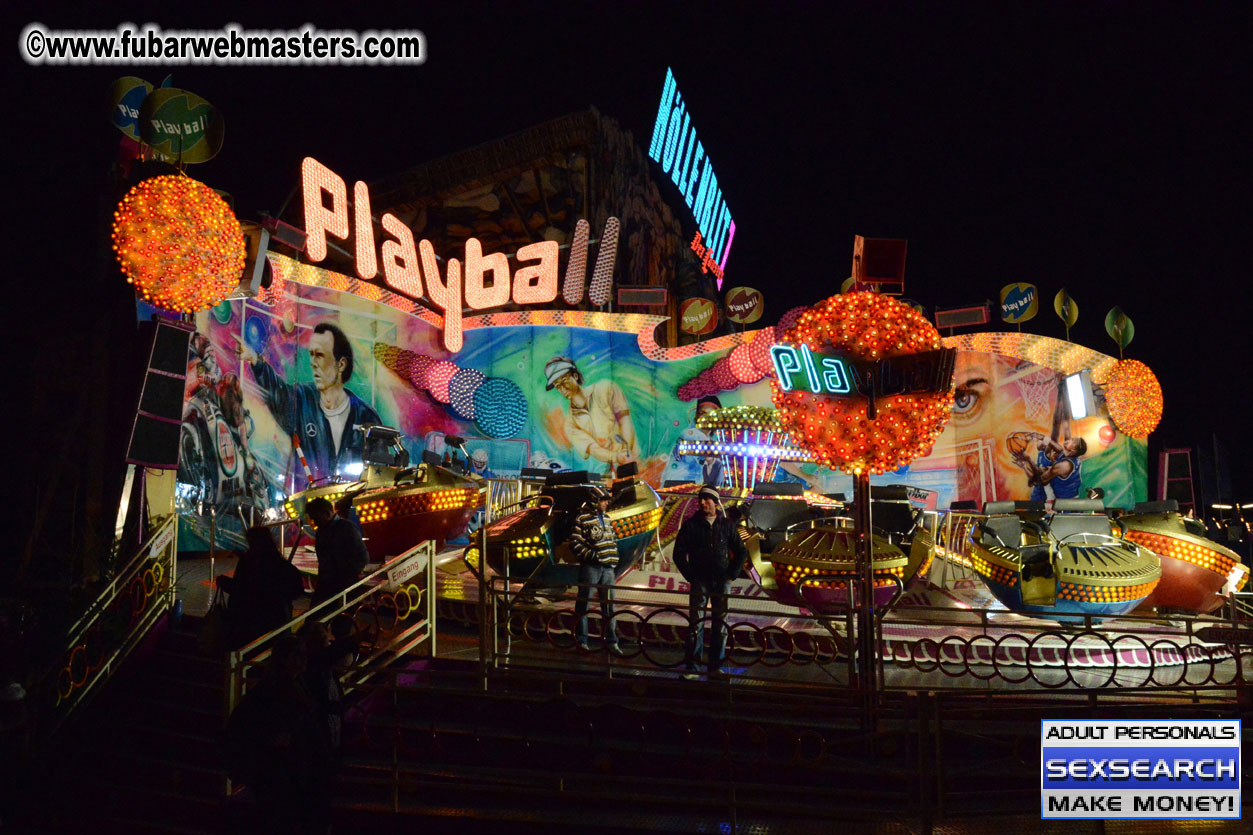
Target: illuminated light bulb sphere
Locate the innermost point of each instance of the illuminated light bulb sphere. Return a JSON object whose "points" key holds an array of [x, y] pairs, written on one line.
{"points": [[419, 369], [461, 390], [741, 365], [273, 294], [438, 379], [500, 408], [863, 327], [179, 243], [759, 352], [723, 376], [1134, 398]]}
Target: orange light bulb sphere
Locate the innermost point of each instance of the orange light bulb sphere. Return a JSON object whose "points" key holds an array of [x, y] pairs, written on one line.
{"points": [[863, 327], [179, 243], [1134, 398]]}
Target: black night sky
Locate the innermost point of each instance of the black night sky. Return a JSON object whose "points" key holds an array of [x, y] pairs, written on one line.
{"points": [[1098, 147]]}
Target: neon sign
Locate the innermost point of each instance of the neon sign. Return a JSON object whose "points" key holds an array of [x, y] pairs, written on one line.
{"points": [[800, 368], [682, 156], [410, 268]]}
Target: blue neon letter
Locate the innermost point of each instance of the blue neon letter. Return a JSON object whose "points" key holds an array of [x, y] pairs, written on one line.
{"points": [[786, 364]]}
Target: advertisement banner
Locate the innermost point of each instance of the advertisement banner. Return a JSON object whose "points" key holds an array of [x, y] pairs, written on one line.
{"points": [[1175, 769], [698, 316], [744, 305], [1019, 303]]}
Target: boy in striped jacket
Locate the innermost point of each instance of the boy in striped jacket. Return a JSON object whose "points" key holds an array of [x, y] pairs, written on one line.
{"points": [[593, 543]]}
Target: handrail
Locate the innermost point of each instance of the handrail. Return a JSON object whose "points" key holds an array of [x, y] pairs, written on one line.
{"points": [[380, 589], [96, 646]]}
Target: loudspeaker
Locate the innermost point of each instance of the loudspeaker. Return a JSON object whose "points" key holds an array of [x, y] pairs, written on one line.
{"points": [[159, 417], [879, 264]]}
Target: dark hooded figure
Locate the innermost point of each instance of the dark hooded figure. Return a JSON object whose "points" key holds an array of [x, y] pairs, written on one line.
{"points": [[262, 590]]}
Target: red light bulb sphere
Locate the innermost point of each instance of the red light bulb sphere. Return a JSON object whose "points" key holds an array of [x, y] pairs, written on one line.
{"points": [[864, 327], [179, 243], [1134, 398]]}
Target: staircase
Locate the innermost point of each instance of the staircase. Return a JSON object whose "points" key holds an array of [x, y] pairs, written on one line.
{"points": [[143, 755]]}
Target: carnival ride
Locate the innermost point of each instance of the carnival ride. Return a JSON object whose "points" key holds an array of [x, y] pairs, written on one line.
{"points": [[398, 505], [1197, 573], [1062, 565], [802, 546], [816, 563], [532, 543]]}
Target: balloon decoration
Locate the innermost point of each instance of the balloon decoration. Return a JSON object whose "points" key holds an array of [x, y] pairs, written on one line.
{"points": [[496, 405], [864, 327], [179, 243], [1066, 309], [1134, 398], [1119, 327]]}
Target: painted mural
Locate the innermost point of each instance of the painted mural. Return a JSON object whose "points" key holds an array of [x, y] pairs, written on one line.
{"points": [[275, 396]]}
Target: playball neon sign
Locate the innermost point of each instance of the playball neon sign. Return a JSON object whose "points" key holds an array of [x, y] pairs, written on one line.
{"points": [[480, 282]]}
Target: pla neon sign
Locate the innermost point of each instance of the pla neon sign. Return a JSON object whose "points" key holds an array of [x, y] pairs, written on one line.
{"points": [[480, 281], [798, 367], [682, 156]]}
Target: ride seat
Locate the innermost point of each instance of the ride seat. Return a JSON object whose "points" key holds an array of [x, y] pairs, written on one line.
{"points": [[1002, 523], [895, 517], [1076, 516]]}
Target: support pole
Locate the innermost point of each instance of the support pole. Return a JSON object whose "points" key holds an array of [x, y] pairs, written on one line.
{"points": [[484, 634], [866, 649]]}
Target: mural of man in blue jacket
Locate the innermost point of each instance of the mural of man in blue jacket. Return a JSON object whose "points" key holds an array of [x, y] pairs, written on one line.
{"points": [[710, 554], [322, 413]]}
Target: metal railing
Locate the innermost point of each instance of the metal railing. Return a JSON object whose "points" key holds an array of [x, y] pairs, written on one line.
{"points": [[387, 604], [970, 649], [114, 624]]}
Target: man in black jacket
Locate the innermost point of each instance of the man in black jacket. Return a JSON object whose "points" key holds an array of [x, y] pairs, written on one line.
{"points": [[710, 554], [341, 552]]}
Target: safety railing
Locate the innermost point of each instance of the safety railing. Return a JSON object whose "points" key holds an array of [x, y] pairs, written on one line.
{"points": [[652, 626], [919, 647], [506, 494], [392, 607], [114, 624]]}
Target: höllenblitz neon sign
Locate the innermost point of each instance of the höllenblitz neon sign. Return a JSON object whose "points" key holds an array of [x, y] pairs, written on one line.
{"points": [[682, 156], [480, 282]]}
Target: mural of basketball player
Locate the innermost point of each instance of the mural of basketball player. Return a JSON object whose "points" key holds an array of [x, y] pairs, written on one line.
{"points": [[1056, 466], [323, 413], [995, 395], [598, 425]]}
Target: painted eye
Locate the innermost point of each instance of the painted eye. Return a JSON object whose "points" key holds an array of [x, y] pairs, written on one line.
{"points": [[965, 400]]}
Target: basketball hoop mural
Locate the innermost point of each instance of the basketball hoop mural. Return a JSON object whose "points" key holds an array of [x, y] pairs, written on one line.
{"points": [[862, 383]]}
